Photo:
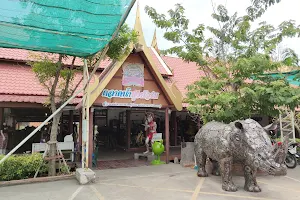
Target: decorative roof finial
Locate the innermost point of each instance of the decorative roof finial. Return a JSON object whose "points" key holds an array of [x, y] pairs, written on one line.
{"points": [[154, 42], [138, 26]]}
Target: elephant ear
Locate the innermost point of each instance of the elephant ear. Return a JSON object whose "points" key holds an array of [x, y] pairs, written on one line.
{"points": [[239, 125]]}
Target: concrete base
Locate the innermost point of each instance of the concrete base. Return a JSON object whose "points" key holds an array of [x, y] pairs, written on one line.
{"points": [[85, 176], [149, 156], [176, 160], [187, 154]]}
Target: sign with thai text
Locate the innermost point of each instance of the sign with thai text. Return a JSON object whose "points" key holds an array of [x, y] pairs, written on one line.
{"points": [[133, 75], [141, 105], [157, 137], [130, 94]]}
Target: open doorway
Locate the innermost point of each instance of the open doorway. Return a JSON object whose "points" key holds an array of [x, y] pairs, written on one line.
{"points": [[119, 133]]}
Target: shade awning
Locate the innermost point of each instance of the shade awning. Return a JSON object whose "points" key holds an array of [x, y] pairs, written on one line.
{"points": [[73, 27], [291, 77]]}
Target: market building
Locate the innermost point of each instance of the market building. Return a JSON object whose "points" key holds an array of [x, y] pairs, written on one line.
{"points": [[121, 93]]}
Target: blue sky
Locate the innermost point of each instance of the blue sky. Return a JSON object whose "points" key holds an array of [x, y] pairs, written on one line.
{"points": [[199, 11]]}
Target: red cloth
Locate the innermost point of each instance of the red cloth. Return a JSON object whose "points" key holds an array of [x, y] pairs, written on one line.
{"points": [[151, 130], [279, 143]]}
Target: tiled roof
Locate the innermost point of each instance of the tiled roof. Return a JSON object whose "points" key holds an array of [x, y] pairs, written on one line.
{"points": [[184, 73], [18, 79], [162, 66], [18, 83], [29, 99], [27, 55]]}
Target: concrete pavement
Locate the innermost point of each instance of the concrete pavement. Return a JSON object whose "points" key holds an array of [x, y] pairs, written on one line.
{"points": [[155, 182]]}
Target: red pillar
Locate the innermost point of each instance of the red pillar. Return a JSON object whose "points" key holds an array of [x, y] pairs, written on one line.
{"points": [[167, 134], [91, 137]]}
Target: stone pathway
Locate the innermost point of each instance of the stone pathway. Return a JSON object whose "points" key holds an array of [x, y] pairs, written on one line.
{"points": [[165, 182]]}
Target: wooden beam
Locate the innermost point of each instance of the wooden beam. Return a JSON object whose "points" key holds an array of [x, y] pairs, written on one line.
{"points": [[175, 129], [91, 137], [167, 135], [1, 118], [128, 125], [20, 105], [71, 120], [79, 138]]}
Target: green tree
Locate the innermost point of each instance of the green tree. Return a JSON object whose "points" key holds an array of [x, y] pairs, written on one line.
{"points": [[234, 61], [259, 7], [58, 79]]}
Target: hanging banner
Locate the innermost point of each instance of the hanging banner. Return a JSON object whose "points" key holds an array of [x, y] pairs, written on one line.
{"points": [[133, 75]]}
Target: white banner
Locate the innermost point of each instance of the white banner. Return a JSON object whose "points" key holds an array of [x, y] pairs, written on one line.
{"points": [[157, 137], [107, 104]]}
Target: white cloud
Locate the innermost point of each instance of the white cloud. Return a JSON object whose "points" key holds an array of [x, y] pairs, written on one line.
{"points": [[199, 12]]}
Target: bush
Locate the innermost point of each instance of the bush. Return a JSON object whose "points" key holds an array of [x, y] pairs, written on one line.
{"points": [[21, 166], [297, 140]]}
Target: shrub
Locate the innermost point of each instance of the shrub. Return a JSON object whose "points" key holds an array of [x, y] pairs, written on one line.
{"points": [[297, 140], [21, 166]]}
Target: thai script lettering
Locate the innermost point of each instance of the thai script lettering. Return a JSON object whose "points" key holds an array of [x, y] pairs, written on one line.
{"points": [[133, 95]]}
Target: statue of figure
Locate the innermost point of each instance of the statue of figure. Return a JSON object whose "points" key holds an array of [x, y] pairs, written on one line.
{"points": [[150, 128], [242, 141]]}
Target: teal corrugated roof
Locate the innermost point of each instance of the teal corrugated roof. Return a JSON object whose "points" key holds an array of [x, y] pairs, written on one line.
{"points": [[289, 76], [72, 27]]}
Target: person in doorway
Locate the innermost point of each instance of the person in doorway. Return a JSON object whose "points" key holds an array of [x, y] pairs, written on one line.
{"points": [[150, 128]]}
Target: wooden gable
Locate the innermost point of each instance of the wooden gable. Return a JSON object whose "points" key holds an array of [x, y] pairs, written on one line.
{"points": [[150, 84]]}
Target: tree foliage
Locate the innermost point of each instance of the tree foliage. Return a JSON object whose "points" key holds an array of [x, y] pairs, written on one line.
{"points": [[58, 79], [259, 7], [234, 61]]}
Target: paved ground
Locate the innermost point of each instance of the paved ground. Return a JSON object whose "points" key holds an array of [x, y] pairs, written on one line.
{"points": [[155, 182]]}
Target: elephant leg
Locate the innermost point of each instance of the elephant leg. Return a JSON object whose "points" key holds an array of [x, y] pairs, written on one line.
{"points": [[215, 167], [201, 161], [250, 180], [225, 168]]}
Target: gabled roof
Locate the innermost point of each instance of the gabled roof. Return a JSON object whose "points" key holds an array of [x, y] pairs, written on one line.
{"points": [[172, 93], [21, 55], [160, 63]]}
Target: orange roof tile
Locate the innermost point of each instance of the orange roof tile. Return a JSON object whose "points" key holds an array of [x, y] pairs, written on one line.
{"points": [[18, 83], [184, 73], [162, 67], [26, 55]]}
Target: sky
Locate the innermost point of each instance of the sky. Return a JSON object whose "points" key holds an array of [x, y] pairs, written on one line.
{"points": [[199, 12]]}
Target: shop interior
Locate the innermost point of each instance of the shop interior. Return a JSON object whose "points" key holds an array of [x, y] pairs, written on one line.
{"points": [[18, 123], [110, 130]]}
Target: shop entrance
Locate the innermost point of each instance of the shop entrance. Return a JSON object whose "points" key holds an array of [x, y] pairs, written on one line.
{"points": [[119, 133]]}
